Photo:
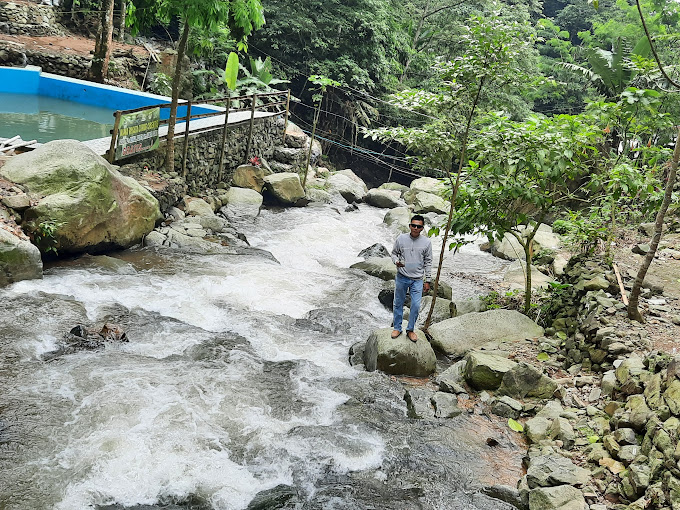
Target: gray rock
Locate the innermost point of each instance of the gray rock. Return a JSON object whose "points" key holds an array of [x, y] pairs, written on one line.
{"points": [[419, 403], [524, 380], [19, 202], [451, 378], [154, 238], [562, 430], [388, 199], [458, 335], [375, 250], [250, 176], [551, 470], [507, 407], [242, 203], [350, 190], [394, 186], [399, 356], [537, 428], [514, 276], [608, 383], [506, 494], [508, 248], [424, 203], [428, 185], [197, 207], [19, 259], [285, 188], [443, 309], [399, 218], [563, 497], [485, 370], [380, 267], [463, 306], [278, 498], [641, 249], [445, 405]]}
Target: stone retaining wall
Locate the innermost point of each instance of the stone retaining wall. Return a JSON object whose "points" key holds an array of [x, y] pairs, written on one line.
{"points": [[203, 159], [73, 66], [28, 19]]}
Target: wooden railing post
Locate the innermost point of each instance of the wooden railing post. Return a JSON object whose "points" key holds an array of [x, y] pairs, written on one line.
{"points": [[285, 121], [186, 142], [250, 130], [114, 137], [220, 173]]}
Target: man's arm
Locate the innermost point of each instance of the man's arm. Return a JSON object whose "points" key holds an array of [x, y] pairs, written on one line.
{"points": [[396, 250], [427, 263]]}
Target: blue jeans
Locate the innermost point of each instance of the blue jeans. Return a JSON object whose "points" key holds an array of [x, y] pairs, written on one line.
{"points": [[415, 287]]}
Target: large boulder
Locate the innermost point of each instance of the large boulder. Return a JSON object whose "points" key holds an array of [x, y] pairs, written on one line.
{"points": [[459, 335], [509, 247], [394, 186], [349, 173], [523, 380], [250, 176], [19, 259], [443, 309], [285, 188], [562, 497], [242, 202], [388, 199], [514, 277], [382, 267], [399, 356], [424, 203], [399, 218], [551, 470], [485, 370], [93, 205], [194, 206], [428, 185], [351, 190]]}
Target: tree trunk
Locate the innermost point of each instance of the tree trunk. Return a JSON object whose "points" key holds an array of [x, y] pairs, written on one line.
{"points": [[121, 22], [102, 46], [454, 194], [176, 79], [633, 312]]}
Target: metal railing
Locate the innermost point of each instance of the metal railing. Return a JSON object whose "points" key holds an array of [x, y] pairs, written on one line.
{"points": [[268, 104]]}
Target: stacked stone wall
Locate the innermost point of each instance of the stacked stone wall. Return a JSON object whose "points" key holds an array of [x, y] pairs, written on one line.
{"points": [[29, 19], [203, 159]]}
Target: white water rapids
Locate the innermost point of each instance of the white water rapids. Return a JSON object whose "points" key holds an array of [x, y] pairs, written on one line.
{"points": [[228, 385]]}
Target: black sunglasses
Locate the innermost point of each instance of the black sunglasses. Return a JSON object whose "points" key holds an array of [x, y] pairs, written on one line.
{"points": [[413, 225]]}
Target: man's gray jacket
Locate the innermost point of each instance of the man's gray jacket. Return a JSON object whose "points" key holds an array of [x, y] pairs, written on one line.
{"points": [[416, 254]]}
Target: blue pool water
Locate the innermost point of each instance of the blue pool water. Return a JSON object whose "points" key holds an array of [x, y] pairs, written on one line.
{"points": [[45, 118]]}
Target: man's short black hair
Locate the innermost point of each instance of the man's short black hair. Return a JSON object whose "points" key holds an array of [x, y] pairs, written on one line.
{"points": [[418, 217]]}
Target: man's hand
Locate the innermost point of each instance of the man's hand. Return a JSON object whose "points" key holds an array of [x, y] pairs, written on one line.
{"points": [[400, 264], [426, 287]]}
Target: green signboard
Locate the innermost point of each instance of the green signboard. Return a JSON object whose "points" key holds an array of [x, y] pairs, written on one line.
{"points": [[137, 132]]}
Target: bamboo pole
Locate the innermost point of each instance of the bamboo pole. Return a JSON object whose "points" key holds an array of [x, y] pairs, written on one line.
{"points": [[114, 137], [311, 143], [186, 142], [285, 120], [220, 173], [250, 129], [624, 297]]}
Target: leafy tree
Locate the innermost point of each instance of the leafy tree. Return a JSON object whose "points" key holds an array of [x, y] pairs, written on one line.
{"points": [[241, 17], [492, 60], [520, 173]]}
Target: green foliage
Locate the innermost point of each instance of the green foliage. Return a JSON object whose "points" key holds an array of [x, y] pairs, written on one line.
{"points": [[515, 425], [161, 84], [231, 71], [43, 236]]}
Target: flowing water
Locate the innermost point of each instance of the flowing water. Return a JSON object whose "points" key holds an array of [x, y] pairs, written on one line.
{"points": [[235, 380]]}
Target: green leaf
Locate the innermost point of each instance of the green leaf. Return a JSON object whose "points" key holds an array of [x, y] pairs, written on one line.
{"points": [[593, 439], [542, 356], [231, 71], [515, 425]]}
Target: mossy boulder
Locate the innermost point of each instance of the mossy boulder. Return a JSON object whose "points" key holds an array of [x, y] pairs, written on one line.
{"points": [[93, 205], [485, 370], [285, 188], [399, 356], [19, 259]]}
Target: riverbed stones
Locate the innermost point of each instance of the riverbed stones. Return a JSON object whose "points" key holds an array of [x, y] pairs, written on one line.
{"points": [[524, 380], [458, 335], [380, 267], [515, 277], [250, 176], [419, 403], [375, 250], [485, 370], [19, 259], [194, 206], [427, 185], [551, 470], [445, 405], [242, 202], [350, 189], [399, 218], [562, 497], [385, 198], [285, 188], [424, 203], [399, 356], [93, 205]]}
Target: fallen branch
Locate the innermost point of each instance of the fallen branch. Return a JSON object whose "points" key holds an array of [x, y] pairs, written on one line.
{"points": [[17, 145], [624, 297]]}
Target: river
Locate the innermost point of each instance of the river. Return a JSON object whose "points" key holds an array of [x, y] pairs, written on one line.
{"points": [[235, 380]]}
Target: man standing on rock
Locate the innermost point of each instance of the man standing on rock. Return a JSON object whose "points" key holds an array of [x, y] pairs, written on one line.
{"points": [[412, 254]]}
